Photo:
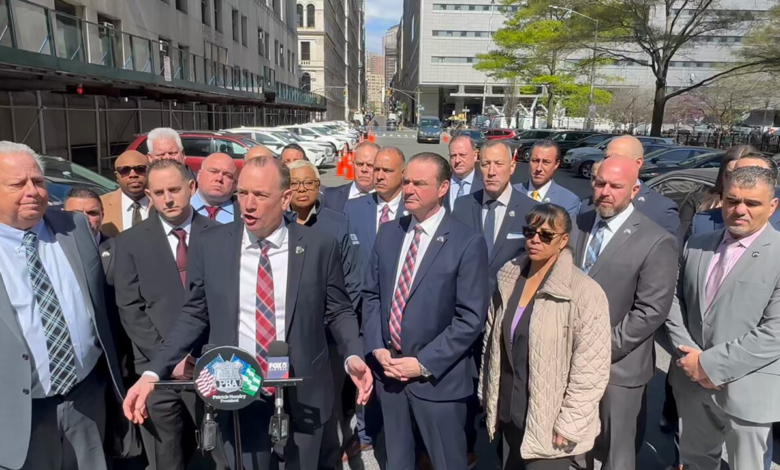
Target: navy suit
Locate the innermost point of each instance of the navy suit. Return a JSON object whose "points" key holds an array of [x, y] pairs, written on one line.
{"points": [[559, 196], [335, 198], [444, 314], [476, 185], [362, 215]]}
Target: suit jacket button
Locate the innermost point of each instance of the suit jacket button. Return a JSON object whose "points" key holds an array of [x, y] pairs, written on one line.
{"points": [[25, 391], [25, 357]]}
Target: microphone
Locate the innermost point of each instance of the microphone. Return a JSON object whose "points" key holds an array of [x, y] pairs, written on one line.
{"points": [[278, 368], [208, 428], [278, 361]]}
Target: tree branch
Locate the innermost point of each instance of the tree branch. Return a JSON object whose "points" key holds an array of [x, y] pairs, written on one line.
{"points": [[711, 79]]}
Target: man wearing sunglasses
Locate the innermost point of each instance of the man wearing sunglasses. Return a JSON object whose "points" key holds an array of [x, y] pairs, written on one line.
{"points": [[128, 205]]}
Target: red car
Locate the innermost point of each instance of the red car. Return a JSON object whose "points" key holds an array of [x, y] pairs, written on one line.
{"points": [[200, 144], [499, 134]]}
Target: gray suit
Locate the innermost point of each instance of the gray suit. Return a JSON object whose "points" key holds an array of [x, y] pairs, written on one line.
{"points": [[637, 270], [739, 334], [26, 442]]}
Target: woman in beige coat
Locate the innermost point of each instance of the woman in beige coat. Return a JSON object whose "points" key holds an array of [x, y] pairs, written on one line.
{"points": [[546, 354]]}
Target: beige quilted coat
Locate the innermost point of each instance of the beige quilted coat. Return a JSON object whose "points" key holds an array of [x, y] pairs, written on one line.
{"points": [[569, 357]]}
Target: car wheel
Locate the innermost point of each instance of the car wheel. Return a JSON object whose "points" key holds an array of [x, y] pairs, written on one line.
{"points": [[527, 155], [585, 169], [419, 141]]}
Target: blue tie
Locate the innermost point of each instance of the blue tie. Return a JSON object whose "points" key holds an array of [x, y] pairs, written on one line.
{"points": [[489, 228], [461, 188], [594, 247]]}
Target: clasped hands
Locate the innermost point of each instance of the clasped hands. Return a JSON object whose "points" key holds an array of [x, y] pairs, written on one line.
{"points": [[401, 368], [689, 363]]}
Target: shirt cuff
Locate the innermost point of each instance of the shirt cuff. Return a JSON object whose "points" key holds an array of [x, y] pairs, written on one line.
{"points": [[346, 369], [151, 374]]}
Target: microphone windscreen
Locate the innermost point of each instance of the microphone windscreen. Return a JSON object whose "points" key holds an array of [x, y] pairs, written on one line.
{"points": [[277, 349]]}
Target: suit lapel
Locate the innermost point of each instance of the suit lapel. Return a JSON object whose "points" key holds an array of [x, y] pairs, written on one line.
{"points": [[641, 196], [476, 210], [509, 218], [585, 225], [705, 258], [296, 250], [159, 249], [437, 243], [624, 232], [70, 246], [7, 314], [747, 262], [394, 243], [231, 255]]}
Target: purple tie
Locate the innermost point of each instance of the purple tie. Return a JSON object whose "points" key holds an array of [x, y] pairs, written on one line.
{"points": [[385, 217], [719, 272]]}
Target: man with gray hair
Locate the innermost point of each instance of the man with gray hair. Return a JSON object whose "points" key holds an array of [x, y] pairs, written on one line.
{"points": [[725, 326], [56, 339], [363, 169], [164, 142]]}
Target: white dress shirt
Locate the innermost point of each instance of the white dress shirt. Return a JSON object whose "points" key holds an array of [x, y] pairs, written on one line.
{"points": [[278, 256], [355, 192], [542, 191], [394, 203], [75, 304], [454, 187], [613, 225], [500, 210], [127, 210], [429, 228], [173, 241]]}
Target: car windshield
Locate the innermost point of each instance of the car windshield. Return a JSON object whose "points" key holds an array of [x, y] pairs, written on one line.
{"points": [[558, 136], [474, 134], [61, 175], [532, 135], [429, 123], [693, 161]]}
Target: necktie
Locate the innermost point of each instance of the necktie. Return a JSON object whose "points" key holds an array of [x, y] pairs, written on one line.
{"points": [[461, 188], [212, 211], [490, 225], [594, 247], [265, 310], [62, 356], [718, 274], [385, 217], [401, 294], [136, 218], [181, 253], [535, 195]]}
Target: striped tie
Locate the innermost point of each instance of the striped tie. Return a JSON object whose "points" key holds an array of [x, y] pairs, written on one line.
{"points": [[62, 357], [402, 291], [265, 330], [385, 216], [594, 247]]}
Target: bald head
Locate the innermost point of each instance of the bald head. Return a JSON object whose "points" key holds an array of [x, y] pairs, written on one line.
{"points": [[130, 173], [217, 179], [615, 185], [626, 146], [258, 151], [130, 157]]}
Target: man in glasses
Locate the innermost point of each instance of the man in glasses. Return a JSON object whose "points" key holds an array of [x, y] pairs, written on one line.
{"points": [[128, 205], [216, 184]]}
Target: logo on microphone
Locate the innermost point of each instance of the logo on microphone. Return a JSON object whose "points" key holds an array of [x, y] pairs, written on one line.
{"points": [[278, 368]]}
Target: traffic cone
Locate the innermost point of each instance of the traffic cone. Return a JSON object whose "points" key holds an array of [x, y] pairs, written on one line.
{"points": [[371, 137], [340, 170], [445, 137], [350, 167]]}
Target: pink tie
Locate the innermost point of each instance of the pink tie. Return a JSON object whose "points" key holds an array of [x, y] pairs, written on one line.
{"points": [[719, 273], [385, 217]]}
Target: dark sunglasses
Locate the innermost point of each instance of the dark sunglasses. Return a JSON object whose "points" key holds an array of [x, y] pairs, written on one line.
{"points": [[546, 237], [140, 170]]}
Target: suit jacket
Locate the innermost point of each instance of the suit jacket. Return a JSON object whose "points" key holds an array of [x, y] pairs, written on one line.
{"points": [[75, 238], [510, 242], [557, 195], [335, 198], [107, 248], [712, 220], [476, 185], [445, 311], [149, 293], [316, 300], [738, 333], [362, 215], [112, 213], [637, 270]]}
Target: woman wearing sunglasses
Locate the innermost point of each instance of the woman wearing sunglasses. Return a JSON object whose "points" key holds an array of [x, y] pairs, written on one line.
{"points": [[547, 350]]}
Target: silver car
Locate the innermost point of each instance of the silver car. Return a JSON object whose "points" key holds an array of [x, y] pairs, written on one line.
{"points": [[580, 160]]}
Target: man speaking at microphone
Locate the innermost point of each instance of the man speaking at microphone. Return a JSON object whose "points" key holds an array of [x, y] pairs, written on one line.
{"points": [[254, 282]]}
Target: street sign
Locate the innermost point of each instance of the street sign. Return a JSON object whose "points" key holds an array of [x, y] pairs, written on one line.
{"points": [[421, 108], [167, 68]]}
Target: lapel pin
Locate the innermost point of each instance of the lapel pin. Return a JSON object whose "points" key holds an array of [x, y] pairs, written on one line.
{"points": [[546, 200], [440, 239], [641, 199], [406, 213], [299, 250], [627, 231], [105, 254], [755, 254], [511, 213]]}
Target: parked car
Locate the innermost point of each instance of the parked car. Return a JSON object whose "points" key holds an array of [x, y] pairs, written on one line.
{"points": [[62, 175], [317, 154], [429, 130], [499, 134], [477, 136], [709, 159], [391, 125], [580, 160], [682, 184], [200, 144], [674, 155], [564, 139], [318, 135]]}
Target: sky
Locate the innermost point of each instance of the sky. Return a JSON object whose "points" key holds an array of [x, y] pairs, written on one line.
{"points": [[380, 16]]}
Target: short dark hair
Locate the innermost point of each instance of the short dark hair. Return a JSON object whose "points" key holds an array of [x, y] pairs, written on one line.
{"points": [[294, 147], [444, 173], [547, 144], [554, 215], [166, 163], [770, 163], [751, 176], [80, 192], [284, 172], [496, 143]]}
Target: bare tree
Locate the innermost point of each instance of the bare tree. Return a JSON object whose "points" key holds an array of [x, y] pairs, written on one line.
{"points": [[511, 100], [630, 107]]}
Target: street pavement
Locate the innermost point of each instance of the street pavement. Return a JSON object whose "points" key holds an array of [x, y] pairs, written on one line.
{"points": [[658, 449]]}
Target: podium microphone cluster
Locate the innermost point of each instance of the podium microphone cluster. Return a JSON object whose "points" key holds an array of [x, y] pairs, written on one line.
{"points": [[278, 369]]}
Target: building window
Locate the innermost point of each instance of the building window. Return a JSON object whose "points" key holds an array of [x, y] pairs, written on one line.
{"points": [[299, 13], [305, 51], [289, 61], [260, 42], [218, 15], [414, 26], [310, 16], [234, 18], [276, 52], [452, 60], [267, 46], [281, 55], [205, 12], [243, 30]]}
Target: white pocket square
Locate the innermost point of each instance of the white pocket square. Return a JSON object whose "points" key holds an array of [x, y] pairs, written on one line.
{"points": [[514, 236]]}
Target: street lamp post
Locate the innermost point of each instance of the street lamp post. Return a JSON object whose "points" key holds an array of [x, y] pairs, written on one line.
{"points": [[591, 115]]}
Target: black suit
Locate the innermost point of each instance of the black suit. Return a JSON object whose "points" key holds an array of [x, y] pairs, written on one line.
{"points": [[149, 296], [335, 198], [316, 299]]}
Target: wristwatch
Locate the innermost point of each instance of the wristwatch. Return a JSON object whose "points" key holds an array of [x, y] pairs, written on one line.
{"points": [[423, 371]]}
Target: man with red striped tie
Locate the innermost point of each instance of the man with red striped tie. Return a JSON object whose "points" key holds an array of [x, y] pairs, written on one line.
{"points": [[216, 184], [263, 280]]}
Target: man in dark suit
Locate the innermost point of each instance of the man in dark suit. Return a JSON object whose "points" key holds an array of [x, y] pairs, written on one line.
{"points": [[367, 213], [298, 272], [87, 201], [363, 169], [425, 298], [151, 259], [465, 178], [545, 159], [216, 184], [56, 340], [635, 261]]}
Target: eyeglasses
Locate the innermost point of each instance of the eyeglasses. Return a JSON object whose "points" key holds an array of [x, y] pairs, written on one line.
{"points": [[124, 171], [308, 185], [546, 237]]}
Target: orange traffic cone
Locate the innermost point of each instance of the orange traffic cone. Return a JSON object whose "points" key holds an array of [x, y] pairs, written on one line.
{"points": [[445, 137], [340, 170], [350, 168], [371, 137]]}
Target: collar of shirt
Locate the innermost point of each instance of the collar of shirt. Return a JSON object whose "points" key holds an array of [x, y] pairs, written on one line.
{"points": [[542, 191], [430, 224], [503, 199], [615, 222], [469, 179], [185, 226], [276, 238], [127, 203], [13, 238], [743, 242], [354, 191], [392, 203], [312, 213], [198, 204]]}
